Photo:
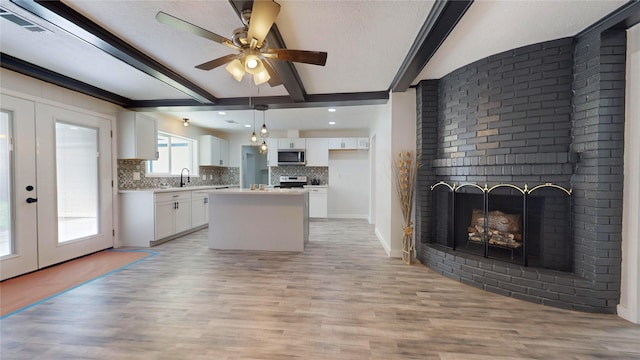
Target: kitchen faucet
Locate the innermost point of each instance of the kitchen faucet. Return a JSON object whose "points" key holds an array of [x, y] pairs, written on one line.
{"points": [[182, 183]]}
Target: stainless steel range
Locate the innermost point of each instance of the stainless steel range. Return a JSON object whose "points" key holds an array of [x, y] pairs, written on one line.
{"points": [[293, 181]]}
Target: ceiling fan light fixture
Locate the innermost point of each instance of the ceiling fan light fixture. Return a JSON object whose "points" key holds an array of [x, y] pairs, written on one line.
{"points": [[236, 69], [252, 62], [261, 77]]}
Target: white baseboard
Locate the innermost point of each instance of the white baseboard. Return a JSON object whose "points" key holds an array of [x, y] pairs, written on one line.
{"points": [[624, 313], [349, 216]]}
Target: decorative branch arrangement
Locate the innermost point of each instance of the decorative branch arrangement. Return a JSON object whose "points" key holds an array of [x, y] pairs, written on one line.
{"points": [[405, 170]]}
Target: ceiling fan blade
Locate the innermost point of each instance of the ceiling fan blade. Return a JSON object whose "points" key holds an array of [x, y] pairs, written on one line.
{"points": [[217, 62], [275, 79], [301, 56], [194, 29], [263, 15]]}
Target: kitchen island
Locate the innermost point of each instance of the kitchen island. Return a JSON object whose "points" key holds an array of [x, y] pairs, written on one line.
{"points": [[269, 219]]}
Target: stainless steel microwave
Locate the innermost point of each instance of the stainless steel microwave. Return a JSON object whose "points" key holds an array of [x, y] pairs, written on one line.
{"points": [[291, 157]]}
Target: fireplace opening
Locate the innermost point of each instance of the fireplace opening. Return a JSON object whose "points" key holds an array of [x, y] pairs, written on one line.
{"points": [[531, 227]]}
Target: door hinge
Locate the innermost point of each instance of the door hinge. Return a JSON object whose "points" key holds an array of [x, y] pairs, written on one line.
{"points": [[111, 183], [111, 131], [113, 232]]}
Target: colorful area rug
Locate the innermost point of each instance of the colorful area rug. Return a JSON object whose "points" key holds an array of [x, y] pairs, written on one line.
{"points": [[25, 291]]}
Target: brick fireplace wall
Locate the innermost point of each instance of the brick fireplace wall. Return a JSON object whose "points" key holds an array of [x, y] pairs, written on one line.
{"points": [[547, 112]]}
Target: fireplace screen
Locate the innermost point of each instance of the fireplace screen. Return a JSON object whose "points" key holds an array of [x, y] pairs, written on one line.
{"points": [[531, 227]]}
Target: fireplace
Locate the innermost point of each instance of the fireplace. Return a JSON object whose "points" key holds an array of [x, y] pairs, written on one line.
{"points": [[551, 112], [526, 226]]}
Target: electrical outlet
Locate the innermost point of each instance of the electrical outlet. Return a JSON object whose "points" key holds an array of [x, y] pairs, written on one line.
{"points": [[136, 175]]}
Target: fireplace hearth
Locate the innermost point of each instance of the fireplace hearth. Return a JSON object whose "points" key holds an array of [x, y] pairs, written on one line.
{"points": [[526, 226]]}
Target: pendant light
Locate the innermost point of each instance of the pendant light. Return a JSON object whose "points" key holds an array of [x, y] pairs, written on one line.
{"points": [[254, 137], [264, 148], [263, 131]]}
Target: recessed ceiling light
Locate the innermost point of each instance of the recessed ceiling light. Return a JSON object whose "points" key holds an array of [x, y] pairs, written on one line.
{"points": [[332, 122], [222, 113], [332, 110], [247, 125]]}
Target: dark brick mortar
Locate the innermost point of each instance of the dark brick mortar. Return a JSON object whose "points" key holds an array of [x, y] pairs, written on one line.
{"points": [[548, 112]]}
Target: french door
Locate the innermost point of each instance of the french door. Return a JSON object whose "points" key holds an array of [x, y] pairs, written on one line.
{"points": [[56, 189]]}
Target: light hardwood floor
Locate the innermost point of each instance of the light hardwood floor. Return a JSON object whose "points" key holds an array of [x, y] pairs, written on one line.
{"points": [[343, 298]]}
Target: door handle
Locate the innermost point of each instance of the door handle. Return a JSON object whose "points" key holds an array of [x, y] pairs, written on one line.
{"points": [[31, 200]]}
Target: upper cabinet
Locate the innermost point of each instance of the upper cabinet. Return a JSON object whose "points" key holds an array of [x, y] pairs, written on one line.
{"points": [[214, 151], [272, 152], [137, 136], [363, 143], [360, 143], [317, 152], [292, 143], [343, 143]]}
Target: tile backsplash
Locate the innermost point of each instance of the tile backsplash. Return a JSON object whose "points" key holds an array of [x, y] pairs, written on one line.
{"points": [[312, 172], [214, 176]]}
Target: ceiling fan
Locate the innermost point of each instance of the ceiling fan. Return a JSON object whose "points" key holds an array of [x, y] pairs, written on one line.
{"points": [[253, 52]]}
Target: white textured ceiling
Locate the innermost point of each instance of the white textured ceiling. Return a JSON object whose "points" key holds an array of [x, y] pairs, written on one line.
{"points": [[491, 27], [366, 41]]}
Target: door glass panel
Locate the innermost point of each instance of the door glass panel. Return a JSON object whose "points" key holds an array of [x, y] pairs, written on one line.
{"points": [[6, 214], [77, 181]]}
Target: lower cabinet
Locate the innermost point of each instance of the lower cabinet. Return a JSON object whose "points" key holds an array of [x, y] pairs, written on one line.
{"points": [[147, 217], [173, 213], [318, 202], [199, 209]]}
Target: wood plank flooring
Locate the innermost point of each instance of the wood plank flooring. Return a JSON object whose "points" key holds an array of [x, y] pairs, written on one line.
{"points": [[343, 298]]}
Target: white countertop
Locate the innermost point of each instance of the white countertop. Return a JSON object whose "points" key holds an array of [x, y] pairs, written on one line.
{"points": [[316, 186], [266, 191], [186, 188]]}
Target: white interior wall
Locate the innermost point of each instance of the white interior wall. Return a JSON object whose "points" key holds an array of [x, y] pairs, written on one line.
{"points": [[403, 115], [16, 84], [381, 130], [348, 195], [629, 307]]}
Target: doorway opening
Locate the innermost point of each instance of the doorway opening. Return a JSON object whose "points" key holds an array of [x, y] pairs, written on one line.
{"points": [[254, 169]]}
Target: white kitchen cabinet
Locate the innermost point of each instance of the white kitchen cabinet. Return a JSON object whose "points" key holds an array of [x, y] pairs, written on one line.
{"points": [[137, 136], [343, 143], [173, 213], [317, 152], [199, 209], [363, 143], [292, 143], [214, 151], [272, 153], [148, 217], [224, 153], [318, 201]]}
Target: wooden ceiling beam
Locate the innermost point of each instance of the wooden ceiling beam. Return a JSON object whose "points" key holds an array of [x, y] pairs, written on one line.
{"points": [[443, 17], [71, 21]]}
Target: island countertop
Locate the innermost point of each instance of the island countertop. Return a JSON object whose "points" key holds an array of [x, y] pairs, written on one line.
{"points": [[266, 191], [272, 219]]}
